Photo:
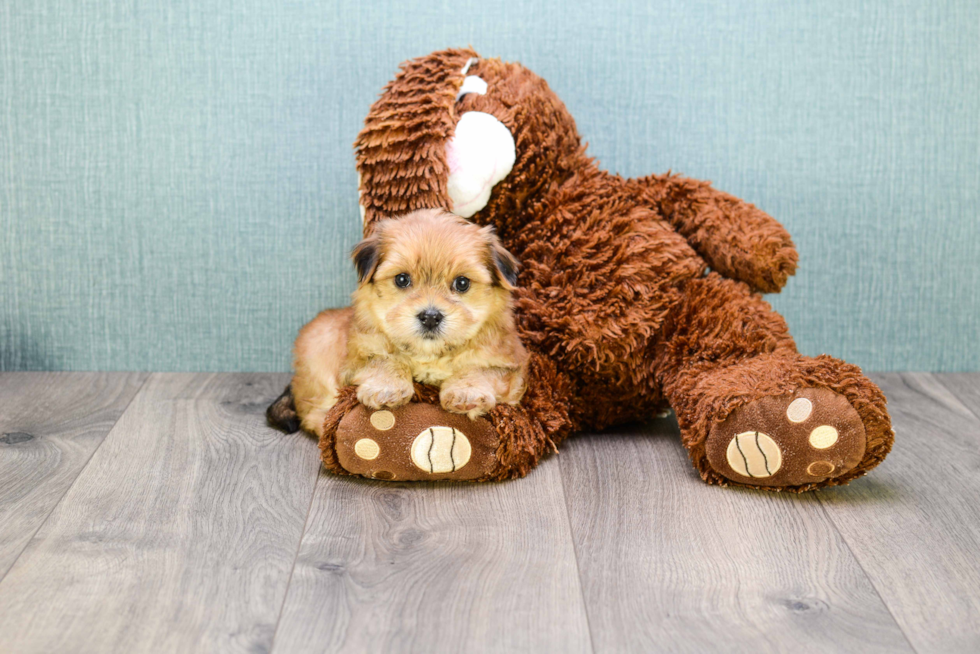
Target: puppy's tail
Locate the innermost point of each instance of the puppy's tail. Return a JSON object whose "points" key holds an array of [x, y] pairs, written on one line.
{"points": [[281, 414]]}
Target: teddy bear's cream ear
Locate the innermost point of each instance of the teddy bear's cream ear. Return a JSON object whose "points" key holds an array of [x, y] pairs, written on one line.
{"points": [[480, 154]]}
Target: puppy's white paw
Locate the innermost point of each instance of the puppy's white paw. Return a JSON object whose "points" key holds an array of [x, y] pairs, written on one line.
{"points": [[474, 401], [384, 394]]}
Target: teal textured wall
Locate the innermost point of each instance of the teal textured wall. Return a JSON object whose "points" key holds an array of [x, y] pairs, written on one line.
{"points": [[177, 189]]}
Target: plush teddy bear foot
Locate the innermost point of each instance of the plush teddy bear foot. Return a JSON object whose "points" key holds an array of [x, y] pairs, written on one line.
{"points": [[808, 437], [415, 442]]}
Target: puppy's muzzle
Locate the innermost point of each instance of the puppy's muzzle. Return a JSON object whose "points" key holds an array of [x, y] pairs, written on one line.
{"points": [[430, 319]]}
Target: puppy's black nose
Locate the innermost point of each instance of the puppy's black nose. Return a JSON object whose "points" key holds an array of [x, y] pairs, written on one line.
{"points": [[430, 318]]}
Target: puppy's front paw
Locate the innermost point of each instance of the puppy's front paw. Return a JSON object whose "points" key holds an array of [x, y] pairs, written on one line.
{"points": [[474, 401], [376, 394]]}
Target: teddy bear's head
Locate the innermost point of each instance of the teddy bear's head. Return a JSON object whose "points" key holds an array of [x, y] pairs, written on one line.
{"points": [[478, 137]]}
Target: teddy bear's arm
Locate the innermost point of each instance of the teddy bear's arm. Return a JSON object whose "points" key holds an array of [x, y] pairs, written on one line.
{"points": [[734, 237]]}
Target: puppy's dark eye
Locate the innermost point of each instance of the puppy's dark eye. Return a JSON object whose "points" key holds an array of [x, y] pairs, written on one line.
{"points": [[402, 280], [461, 284]]}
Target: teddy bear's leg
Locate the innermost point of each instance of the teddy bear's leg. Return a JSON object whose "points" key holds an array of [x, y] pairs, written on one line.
{"points": [[755, 412], [422, 442]]}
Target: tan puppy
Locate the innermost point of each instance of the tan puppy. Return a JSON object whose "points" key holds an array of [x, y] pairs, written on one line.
{"points": [[433, 304]]}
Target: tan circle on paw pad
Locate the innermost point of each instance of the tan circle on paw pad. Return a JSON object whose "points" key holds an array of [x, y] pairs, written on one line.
{"points": [[799, 409], [823, 437], [754, 454], [367, 449], [441, 449], [820, 468], [382, 420]]}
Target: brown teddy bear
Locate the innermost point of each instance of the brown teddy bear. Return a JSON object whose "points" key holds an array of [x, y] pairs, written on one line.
{"points": [[634, 295]]}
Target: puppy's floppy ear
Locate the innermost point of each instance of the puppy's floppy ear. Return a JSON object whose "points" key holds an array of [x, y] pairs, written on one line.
{"points": [[367, 256], [503, 265]]}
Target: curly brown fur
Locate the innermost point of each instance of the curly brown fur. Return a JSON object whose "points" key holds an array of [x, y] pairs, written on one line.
{"points": [[613, 302], [724, 347]]}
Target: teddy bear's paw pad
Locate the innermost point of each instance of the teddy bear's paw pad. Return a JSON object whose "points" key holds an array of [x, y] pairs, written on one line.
{"points": [[416, 442], [788, 440]]}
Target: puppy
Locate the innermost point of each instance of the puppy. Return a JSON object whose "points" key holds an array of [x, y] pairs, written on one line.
{"points": [[433, 304]]}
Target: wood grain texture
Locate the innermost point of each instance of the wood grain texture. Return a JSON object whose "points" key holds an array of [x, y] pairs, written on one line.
{"points": [[671, 564], [914, 523], [179, 535], [50, 424], [436, 568], [966, 388]]}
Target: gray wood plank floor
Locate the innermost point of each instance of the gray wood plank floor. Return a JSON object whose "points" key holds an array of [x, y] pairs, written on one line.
{"points": [[50, 424], [160, 514], [178, 536], [671, 564], [436, 568]]}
